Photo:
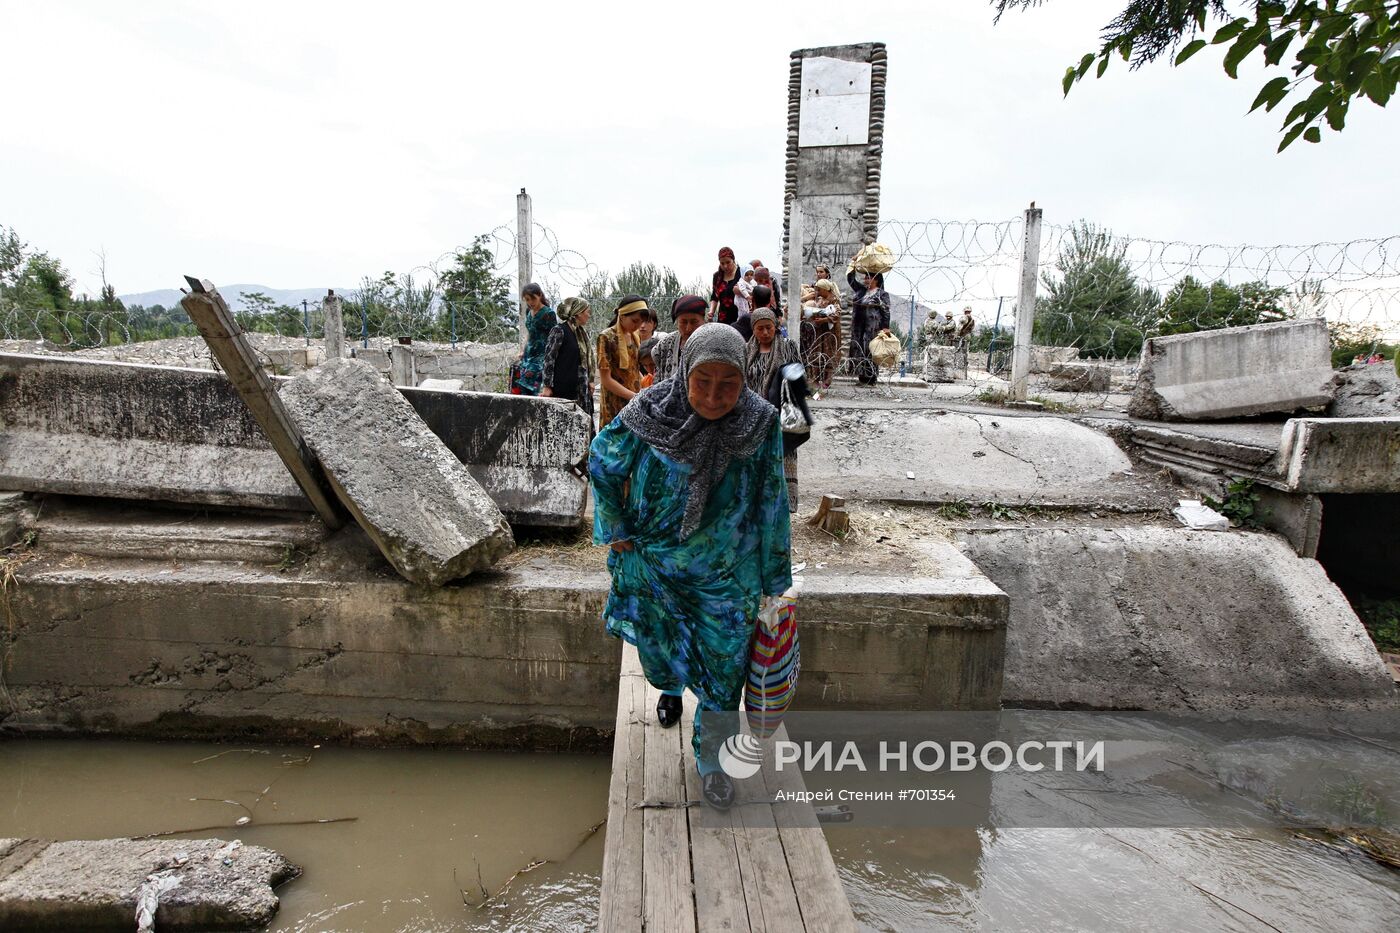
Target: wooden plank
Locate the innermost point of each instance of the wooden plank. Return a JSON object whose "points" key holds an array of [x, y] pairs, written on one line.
{"points": [[225, 339], [620, 905], [719, 889], [768, 890], [823, 902], [668, 891]]}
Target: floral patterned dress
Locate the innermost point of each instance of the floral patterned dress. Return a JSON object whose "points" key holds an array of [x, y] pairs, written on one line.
{"points": [[617, 354], [689, 606], [530, 373]]}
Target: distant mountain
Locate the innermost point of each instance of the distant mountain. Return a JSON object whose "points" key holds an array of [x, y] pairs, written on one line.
{"points": [[233, 294]]}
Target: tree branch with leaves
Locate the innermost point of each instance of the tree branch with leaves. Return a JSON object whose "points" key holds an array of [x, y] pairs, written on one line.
{"points": [[1340, 50]]}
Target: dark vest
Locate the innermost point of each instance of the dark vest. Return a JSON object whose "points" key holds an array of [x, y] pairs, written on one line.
{"points": [[566, 366]]}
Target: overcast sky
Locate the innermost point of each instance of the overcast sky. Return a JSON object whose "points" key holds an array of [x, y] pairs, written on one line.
{"points": [[308, 144]]}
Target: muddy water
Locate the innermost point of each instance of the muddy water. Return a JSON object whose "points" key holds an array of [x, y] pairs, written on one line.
{"points": [[1121, 879], [421, 817]]}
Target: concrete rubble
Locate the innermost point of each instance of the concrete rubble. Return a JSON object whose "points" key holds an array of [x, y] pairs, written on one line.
{"points": [[1367, 391], [1079, 377], [423, 509], [939, 364], [1162, 618], [1234, 371], [98, 428], [197, 884]]}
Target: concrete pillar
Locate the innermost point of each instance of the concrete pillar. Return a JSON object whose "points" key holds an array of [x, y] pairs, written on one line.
{"points": [[332, 310], [1025, 304], [524, 250], [403, 367]]}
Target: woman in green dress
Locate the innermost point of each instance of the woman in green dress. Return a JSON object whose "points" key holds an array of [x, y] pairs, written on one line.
{"points": [[689, 494]]}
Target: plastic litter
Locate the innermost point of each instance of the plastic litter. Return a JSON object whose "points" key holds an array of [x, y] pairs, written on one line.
{"points": [[1200, 517]]}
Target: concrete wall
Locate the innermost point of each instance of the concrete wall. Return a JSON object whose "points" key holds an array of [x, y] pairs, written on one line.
{"points": [[1347, 455], [130, 431], [1234, 371], [343, 650]]}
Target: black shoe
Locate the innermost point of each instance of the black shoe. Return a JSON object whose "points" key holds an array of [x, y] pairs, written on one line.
{"points": [[718, 790], [668, 710]]}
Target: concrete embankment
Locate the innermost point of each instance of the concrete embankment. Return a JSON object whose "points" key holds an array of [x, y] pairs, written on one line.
{"points": [[1162, 618], [336, 646]]}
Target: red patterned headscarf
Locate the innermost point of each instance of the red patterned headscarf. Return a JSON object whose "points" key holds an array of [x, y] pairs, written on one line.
{"points": [[725, 253]]}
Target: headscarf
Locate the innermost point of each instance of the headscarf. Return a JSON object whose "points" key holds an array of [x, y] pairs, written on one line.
{"points": [[725, 253], [568, 311], [663, 418], [759, 367], [626, 345], [688, 304]]}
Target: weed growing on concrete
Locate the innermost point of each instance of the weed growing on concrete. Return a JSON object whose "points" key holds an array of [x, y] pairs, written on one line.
{"points": [[1059, 408], [1239, 502], [998, 511], [292, 558], [992, 396], [956, 509]]}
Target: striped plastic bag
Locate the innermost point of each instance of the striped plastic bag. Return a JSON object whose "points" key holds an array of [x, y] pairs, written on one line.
{"points": [[774, 662]]}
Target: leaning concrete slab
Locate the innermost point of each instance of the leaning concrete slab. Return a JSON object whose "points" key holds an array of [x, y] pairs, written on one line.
{"points": [[134, 431], [422, 508], [1234, 371], [1161, 618], [96, 884]]}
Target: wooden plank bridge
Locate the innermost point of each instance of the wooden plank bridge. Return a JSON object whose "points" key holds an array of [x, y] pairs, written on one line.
{"points": [[759, 867]]}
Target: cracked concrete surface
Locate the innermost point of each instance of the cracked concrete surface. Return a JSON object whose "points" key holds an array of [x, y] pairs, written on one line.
{"points": [[867, 454]]}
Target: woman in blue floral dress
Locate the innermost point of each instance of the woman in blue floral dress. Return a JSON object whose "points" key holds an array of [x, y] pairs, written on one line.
{"points": [[689, 494], [539, 321]]}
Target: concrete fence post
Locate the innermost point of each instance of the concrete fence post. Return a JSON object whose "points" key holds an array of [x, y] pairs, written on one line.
{"points": [[403, 367], [794, 270], [1025, 304], [524, 250], [332, 311]]}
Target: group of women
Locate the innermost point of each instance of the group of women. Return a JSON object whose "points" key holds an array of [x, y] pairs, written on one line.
{"points": [[693, 482]]}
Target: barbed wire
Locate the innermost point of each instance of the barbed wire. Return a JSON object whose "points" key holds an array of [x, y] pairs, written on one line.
{"points": [[1100, 296]]}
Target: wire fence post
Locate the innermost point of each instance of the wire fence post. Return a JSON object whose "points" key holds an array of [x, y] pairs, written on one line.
{"points": [[364, 322], [306, 321], [1025, 304], [452, 317], [909, 359], [996, 332], [524, 250], [794, 270]]}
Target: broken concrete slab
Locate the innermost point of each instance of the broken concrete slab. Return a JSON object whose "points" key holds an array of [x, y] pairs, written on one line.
{"points": [[131, 431], [1354, 455], [1367, 391], [1079, 377], [1162, 618], [95, 884], [127, 430], [423, 509], [865, 454], [1234, 371], [1046, 358], [939, 364]]}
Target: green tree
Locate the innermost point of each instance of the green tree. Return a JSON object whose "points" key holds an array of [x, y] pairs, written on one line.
{"points": [[1342, 50], [1192, 305], [476, 302], [1096, 302], [45, 284], [1352, 340], [648, 280]]}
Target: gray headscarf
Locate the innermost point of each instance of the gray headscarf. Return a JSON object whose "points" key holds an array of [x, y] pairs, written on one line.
{"points": [[662, 416], [760, 367]]}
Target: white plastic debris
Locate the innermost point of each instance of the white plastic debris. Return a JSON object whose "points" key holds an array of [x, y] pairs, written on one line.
{"points": [[1200, 517], [148, 898], [908, 475]]}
